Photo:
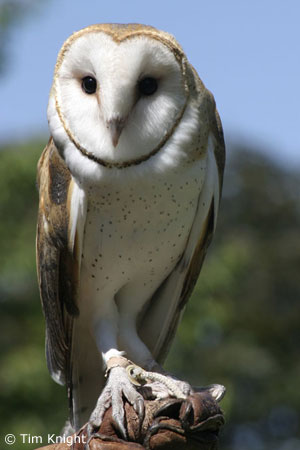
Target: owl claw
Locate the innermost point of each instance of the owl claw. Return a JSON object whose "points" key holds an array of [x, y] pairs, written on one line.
{"points": [[217, 391], [117, 387], [139, 408]]}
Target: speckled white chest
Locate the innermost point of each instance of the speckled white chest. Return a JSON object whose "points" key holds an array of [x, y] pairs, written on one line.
{"points": [[135, 232]]}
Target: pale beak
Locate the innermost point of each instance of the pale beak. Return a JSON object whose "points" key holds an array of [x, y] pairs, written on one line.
{"points": [[115, 127]]}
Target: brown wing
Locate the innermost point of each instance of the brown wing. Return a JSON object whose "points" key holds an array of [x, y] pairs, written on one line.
{"points": [[57, 260]]}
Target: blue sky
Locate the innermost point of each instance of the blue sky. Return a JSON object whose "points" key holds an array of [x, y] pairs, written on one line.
{"points": [[246, 52]]}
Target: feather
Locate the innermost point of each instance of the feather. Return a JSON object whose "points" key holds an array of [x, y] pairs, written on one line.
{"points": [[159, 320], [58, 259]]}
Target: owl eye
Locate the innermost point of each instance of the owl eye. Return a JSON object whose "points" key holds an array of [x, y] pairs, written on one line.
{"points": [[147, 86], [89, 85]]}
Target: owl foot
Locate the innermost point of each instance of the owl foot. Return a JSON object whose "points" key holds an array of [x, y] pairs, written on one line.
{"points": [[157, 385], [117, 387]]}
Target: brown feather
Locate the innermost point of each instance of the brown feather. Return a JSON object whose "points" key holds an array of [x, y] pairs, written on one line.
{"points": [[57, 264], [209, 114]]}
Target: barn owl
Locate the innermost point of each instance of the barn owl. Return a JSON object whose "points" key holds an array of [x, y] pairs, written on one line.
{"points": [[129, 188]]}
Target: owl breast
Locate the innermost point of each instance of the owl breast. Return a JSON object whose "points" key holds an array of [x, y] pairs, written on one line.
{"points": [[135, 233]]}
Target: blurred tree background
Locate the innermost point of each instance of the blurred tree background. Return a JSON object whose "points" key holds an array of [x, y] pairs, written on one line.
{"points": [[241, 327]]}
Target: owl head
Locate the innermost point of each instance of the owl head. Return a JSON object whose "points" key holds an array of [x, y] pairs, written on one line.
{"points": [[118, 95]]}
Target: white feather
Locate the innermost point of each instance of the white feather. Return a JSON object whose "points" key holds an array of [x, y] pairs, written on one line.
{"points": [[156, 324], [118, 68], [78, 208], [170, 156]]}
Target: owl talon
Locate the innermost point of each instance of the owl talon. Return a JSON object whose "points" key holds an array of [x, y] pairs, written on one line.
{"points": [[90, 433], [217, 391], [118, 420], [117, 387], [139, 408]]}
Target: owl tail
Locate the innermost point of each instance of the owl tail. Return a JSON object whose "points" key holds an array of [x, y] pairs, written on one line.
{"points": [[86, 378]]}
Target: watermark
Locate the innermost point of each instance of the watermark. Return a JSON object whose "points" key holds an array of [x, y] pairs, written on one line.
{"points": [[26, 438]]}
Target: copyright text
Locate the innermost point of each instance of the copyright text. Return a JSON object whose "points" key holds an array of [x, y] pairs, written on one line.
{"points": [[26, 438]]}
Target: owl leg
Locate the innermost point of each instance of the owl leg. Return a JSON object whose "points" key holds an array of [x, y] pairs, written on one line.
{"points": [[154, 380], [118, 385], [138, 352]]}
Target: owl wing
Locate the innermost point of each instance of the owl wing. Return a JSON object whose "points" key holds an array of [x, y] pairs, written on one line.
{"points": [[159, 321], [58, 256]]}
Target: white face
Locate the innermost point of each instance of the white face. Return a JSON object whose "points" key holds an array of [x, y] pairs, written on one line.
{"points": [[106, 104]]}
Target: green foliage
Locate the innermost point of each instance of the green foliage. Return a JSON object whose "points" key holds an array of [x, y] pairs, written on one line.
{"points": [[241, 327]]}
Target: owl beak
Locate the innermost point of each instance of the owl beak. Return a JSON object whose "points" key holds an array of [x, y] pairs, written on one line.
{"points": [[115, 127]]}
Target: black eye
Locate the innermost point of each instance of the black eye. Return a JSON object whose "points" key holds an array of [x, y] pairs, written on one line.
{"points": [[147, 86], [89, 85]]}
